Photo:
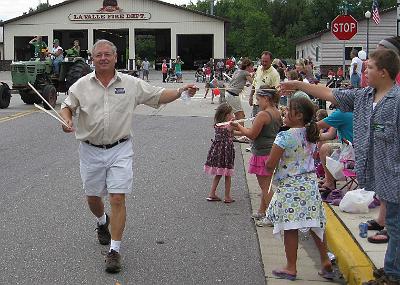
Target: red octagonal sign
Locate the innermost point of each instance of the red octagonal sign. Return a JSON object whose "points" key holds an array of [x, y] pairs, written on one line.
{"points": [[344, 27]]}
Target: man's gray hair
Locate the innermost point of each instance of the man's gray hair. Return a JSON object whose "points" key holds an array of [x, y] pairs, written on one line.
{"points": [[104, 42]]}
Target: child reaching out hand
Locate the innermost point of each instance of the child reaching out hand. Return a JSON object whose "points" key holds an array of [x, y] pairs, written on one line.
{"points": [[221, 156], [297, 204], [262, 132]]}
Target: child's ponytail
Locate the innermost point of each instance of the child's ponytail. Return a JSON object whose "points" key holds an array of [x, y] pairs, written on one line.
{"points": [[312, 132], [307, 108]]}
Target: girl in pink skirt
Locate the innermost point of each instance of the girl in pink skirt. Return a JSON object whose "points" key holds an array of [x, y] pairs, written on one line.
{"points": [[221, 156], [263, 132]]}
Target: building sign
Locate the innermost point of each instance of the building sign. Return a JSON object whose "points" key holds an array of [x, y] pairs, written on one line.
{"points": [[109, 11], [109, 16]]}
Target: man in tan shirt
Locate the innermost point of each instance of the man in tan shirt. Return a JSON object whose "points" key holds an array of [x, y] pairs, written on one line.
{"points": [[106, 100], [266, 74]]}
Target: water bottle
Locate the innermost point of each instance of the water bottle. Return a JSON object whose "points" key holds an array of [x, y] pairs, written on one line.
{"points": [[185, 97]]}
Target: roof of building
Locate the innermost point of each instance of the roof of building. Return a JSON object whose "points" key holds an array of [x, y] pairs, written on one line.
{"points": [[71, 1], [319, 33]]}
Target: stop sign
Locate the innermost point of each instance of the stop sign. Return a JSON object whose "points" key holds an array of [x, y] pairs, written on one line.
{"points": [[344, 27]]}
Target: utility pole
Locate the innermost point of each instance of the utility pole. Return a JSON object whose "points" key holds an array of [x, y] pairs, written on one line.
{"points": [[398, 17], [212, 7]]}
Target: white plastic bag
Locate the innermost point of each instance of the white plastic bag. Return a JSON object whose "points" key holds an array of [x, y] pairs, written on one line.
{"points": [[356, 201], [335, 167], [346, 152]]}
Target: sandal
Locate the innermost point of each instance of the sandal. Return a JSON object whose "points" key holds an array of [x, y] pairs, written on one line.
{"points": [[383, 280], [374, 226], [378, 273], [213, 199], [284, 275], [330, 275], [322, 188], [379, 237], [226, 201]]}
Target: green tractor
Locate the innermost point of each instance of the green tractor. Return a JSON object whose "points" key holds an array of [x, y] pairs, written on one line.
{"points": [[5, 95], [39, 73]]}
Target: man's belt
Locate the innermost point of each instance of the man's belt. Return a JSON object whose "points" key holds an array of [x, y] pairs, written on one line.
{"points": [[107, 146], [233, 94]]}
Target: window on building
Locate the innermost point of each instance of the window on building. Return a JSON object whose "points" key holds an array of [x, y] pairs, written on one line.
{"points": [[302, 53], [297, 54], [317, 54], [348, 51]]}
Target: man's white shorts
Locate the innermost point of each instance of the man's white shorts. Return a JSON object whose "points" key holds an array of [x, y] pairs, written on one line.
{"points": [[234, 102], [105, 171]]}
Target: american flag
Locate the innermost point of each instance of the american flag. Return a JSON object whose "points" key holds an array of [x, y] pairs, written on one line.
{"points": [[375, 12]]}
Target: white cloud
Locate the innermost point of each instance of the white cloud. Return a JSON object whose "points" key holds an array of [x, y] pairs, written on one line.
{"points": [[18, 7]]}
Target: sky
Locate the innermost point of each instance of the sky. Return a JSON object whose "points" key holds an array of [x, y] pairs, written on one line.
{"points": [[8, 11]]}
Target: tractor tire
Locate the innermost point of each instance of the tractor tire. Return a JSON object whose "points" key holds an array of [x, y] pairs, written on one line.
{"points": [[5, 96], [78, 70], [50, 94], [30, 98]]}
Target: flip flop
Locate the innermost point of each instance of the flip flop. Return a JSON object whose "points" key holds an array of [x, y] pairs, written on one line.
{"points": [[325, 189], [284, 275], [374, 226], [213, 199], [229, 201], [330, 275], [375, 238]]}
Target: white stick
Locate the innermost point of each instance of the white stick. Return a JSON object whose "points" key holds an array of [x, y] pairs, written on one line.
{"points": [[235, 121], [55, 117], [227, 76], [44, 100]]}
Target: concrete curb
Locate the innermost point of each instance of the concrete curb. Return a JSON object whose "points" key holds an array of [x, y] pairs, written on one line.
{"points": [[354, 264]]}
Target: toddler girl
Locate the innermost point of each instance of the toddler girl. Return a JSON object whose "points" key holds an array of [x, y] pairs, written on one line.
{"points": [[221, 156], [297, 204]]}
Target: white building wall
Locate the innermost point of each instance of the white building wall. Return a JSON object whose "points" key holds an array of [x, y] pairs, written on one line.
{"points": [[163, 16], [309, 49], [331, 49]]}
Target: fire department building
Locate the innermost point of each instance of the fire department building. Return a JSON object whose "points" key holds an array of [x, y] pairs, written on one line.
{"points": [[172, 30]]}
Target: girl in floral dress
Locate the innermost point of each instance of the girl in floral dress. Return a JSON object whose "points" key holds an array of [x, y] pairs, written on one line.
{"points": [[296, 204], [221, 156]]}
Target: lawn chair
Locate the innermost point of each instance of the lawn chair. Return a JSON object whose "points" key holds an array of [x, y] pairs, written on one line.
{"points": [[348, 171], [349, 174]]}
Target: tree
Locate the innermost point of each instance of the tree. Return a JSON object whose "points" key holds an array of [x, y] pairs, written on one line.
{"points": [[40, 6], [274, 25]]}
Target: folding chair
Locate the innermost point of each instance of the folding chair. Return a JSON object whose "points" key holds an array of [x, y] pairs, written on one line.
{"points": [[349, 174], [348, 171]]}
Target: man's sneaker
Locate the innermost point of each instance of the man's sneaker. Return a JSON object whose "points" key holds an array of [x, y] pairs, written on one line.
{"points": [[113, 262], [103, 234]]}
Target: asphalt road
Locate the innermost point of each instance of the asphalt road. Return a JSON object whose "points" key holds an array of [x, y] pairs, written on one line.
{"points": [[173, 235]]}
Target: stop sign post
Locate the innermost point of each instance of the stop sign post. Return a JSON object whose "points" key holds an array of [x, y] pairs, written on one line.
{"points": [[344, 27]]}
